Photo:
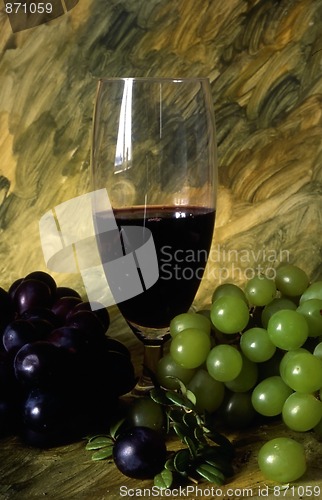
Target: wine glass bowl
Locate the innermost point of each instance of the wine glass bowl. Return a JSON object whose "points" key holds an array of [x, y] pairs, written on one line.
{"points": [[154, 151]]}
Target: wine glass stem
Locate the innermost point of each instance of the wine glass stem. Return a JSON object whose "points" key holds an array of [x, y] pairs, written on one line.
{"points": [[151, 356]]}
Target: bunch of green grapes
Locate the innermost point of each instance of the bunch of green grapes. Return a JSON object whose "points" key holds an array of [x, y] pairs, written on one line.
{"points": [[256, 353]]}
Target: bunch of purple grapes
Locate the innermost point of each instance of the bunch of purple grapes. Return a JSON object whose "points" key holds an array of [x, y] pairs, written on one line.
{"points": [[60, 373]]}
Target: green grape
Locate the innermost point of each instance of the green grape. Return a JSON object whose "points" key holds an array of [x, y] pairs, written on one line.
{"points": [[247, 377], [224, 362], [260, 290], [314, 291], [167, 368], [277, 304], [229, 314], [318, 350], [287, 329], [282, 460], [302, 412], [190, 347], [209, 392], [144, 412], [291, 280], [286, 357], [302, 371], [228, 289], [256, 345], [311, 310], [269, 396], [189, 320], [237, 410]]}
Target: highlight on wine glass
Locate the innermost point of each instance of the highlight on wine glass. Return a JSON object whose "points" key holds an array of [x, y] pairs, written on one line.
{"points": [[69, 233]]}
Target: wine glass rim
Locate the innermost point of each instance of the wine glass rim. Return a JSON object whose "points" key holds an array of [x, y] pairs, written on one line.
{"points": [[166, 79]]}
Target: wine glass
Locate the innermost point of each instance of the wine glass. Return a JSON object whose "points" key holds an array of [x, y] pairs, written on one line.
{"points": [[154, 152]]}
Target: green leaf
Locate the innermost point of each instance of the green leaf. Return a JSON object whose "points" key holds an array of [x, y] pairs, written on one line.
{"points": [[191, 397], [221, 440], [182, 462], [222, 465], [169, 465], [191, 445], [199, 435], [164, 479], [210, 473], [179, 400], [175, 415], [116, 427], [180, 430], [103, 453], [159, 396], [190, 420], [99, 442]]}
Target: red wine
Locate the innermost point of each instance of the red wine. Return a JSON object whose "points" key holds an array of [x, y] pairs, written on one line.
{"points": [[182, 239]]}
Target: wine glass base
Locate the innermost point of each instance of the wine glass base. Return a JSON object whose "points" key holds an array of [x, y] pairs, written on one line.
{"points": [[152, 354]]}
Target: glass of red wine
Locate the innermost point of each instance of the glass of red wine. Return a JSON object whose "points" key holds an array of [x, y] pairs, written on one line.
{"points": [[154, 152]]}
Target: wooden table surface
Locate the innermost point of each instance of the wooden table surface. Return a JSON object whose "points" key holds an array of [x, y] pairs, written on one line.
{"points": [[68, 472]]}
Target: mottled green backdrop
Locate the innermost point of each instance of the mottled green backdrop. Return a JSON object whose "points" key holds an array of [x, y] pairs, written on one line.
{"points": [[264, 61]]}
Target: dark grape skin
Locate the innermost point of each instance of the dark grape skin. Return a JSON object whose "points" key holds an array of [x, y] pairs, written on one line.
{"points": [[118, 369], [32, 293], [49, 417], [52, 409], [88, 321], [101, 313], [116, 345], [75, 340], [65, 291], [8, 382], [6, 309], [13, 287], [43, 313], [140, 453], [18, 333], [42, 327], [62, 306], [41, 363], [45, 278]]}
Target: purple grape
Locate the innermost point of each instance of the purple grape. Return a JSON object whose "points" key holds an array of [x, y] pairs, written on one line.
{"points": [[49, 417], [13, 287], [30, 294], [18, 333], [45, 410], [87, 321], [6, 309], [8, 382], [63, 306], [140, 453], [45, 278], [116, 346], [65, 291], [102, 313], [116, 369], [41, 313], [41, 363], [74, 340], [43, 327]]}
